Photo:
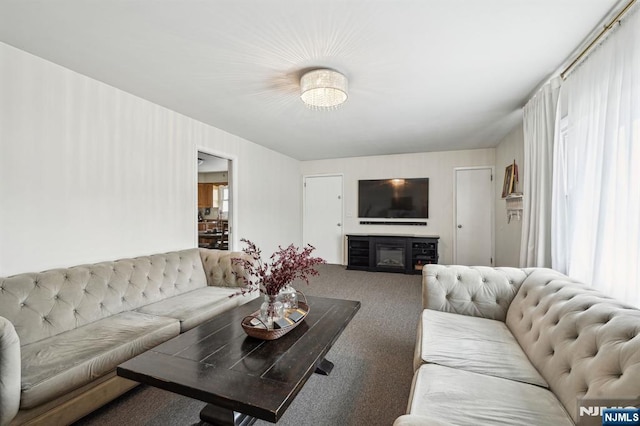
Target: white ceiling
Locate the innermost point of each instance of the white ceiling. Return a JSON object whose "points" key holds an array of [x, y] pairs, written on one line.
{"points": [[424, 75]]}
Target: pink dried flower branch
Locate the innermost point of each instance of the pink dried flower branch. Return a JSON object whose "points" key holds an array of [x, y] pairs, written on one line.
{"points": [[284, 266]]}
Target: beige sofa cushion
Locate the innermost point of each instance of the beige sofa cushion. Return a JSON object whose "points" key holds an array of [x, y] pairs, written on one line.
{"points": [[585, 344], [474, 344], [197, 306], [416, 420], [471, 290], [57, 365], [465, 398]]}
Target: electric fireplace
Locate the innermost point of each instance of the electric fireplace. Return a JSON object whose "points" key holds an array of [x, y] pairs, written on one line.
{"points": [[390, 254], [406, 254]]}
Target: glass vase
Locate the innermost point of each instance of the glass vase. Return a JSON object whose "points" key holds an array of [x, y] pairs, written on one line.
{"points": [[289, 297], [271, 310]]}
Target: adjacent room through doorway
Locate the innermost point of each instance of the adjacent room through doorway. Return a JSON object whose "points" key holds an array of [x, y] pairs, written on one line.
{"points": [[214, 201]]}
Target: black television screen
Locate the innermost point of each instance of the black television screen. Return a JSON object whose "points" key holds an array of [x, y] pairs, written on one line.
{"points": [[394, 198]]}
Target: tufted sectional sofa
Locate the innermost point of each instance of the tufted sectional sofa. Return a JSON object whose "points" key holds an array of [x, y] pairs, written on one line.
{"points": [[64, 331], [519, 346]]}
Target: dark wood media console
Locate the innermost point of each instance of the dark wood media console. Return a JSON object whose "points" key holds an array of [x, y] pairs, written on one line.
{"points": [[391, 253]]}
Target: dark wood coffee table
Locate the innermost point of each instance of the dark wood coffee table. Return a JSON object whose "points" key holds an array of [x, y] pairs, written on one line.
{"points": [[240, 377]]}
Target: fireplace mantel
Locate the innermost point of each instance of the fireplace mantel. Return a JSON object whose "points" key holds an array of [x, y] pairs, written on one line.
{"points": [[391, 253]]}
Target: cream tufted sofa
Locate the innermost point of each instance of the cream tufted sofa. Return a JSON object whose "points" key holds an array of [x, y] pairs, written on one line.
{"points": [[519, 347], [64, 331]]}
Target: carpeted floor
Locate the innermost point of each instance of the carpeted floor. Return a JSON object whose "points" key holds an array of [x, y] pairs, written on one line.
{"points": [[373, 362]]}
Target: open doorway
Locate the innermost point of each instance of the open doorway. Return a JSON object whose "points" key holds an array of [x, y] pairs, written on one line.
{"points": [[214, 201]]}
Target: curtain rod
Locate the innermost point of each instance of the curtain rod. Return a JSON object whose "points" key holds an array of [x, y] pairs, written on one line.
{"points": [[604, 31]]}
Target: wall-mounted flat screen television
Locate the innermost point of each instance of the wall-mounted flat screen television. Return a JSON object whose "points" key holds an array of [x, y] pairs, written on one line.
{"points": [[394, 198]]}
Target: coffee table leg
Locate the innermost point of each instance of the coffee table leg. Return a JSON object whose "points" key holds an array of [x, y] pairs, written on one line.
{"points": [[324, 367], [219, 416]]}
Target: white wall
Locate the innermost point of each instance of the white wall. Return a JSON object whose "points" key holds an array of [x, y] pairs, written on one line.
{"points": [[508, 234], [437, 166], [90, 173]]}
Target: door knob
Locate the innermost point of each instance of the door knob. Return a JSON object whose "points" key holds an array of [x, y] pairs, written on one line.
{"points": [[459, 226], [339, 224]]}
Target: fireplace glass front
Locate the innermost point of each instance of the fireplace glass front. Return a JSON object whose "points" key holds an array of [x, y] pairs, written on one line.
{"points": [[390, 255]]}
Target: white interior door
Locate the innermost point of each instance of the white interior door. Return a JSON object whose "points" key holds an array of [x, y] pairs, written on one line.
{"points": [[323, 216], [474, 217]]}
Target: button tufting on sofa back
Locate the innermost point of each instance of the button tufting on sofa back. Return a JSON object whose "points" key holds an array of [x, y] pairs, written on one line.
{"points": [[585, 344], [44, 304], [471, 290], [220, 270]]}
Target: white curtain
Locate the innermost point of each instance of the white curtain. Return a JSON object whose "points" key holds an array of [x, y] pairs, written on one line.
{"points": [[596, 205], [539, 129]]}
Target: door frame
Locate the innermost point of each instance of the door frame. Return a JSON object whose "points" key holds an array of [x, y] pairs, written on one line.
{"points": [[304, 207], [232, 174], [493, 211]]}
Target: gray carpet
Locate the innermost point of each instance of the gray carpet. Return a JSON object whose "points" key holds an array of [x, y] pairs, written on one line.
{"points": [[373, 362]]}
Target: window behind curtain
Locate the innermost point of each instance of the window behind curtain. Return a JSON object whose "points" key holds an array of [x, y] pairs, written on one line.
{"points": [[596, 209]]}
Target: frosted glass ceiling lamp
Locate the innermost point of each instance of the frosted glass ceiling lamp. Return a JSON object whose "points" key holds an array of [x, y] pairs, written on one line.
{"points": [[323, 89]]}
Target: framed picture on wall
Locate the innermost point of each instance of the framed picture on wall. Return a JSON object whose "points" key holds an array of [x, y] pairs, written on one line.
{"points": [[507, 185]]}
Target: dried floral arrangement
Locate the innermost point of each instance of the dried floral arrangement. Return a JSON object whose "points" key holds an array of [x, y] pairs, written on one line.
{"points": [[284, 266]]}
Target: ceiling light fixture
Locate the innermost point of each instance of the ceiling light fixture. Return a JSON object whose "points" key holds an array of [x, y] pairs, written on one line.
{"points": [[323, 89]]}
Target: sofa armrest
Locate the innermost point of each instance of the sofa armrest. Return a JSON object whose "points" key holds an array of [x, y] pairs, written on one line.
{"points": [[479, 291], [9, 371], [219, 268]]}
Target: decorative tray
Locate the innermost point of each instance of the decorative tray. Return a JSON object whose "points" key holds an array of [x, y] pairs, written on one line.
{"points": [[262, 332]]}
